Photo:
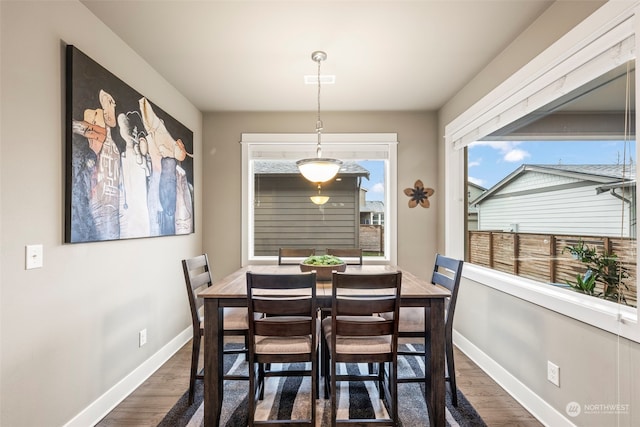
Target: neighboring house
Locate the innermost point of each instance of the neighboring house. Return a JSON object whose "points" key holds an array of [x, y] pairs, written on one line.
{"points": [[371, 212], [562, 199], [473, 192], [371, 224], [286, 217]]}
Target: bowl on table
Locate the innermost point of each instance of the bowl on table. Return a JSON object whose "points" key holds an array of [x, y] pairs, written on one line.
{"points": [[323, 265]]}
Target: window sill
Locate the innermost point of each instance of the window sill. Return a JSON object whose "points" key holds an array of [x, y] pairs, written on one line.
{"points": [[606, 315]]}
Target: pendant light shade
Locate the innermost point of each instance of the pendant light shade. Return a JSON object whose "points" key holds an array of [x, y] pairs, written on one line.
{"points": [[319, 169]]}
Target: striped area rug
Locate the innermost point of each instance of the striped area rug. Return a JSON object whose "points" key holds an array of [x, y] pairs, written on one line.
{"points": [[288, 398]]}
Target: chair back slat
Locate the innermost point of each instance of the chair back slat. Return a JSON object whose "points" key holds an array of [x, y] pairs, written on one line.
{"points": [[352, 256], [284, 327], [354, 328], [285, 306], [365, 306], [294, 255]]}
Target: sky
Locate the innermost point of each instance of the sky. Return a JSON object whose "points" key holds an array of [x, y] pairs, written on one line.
{"points": [[375, 184], [491, 161]]}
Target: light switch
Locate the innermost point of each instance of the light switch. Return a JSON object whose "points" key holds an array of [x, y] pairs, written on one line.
{"points": [[33, 256]]}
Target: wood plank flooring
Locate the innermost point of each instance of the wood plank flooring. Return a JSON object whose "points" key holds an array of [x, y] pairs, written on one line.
{"points": [[147, 405]]}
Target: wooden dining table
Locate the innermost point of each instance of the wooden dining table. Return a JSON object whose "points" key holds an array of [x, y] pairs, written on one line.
{"points": [[231, 291]]}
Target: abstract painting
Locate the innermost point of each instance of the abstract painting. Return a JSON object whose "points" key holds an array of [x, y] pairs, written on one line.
{"points": [[129, 165]]}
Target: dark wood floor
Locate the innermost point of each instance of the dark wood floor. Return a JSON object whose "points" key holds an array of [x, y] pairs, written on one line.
{"points": [[147, 405]]}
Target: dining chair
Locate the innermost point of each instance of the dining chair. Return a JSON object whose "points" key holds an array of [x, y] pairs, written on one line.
{"points": [[354, 333], [197, 276], [285, 332], [351, 256], [414, 322], [294, 255]]}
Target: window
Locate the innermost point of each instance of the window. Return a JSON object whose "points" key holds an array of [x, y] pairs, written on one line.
{"points": [[278, 212], [559, 201], [543, 107]]}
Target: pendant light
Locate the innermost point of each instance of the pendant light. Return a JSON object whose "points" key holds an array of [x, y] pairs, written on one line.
{"points": [[319, 169], [319, 199]]}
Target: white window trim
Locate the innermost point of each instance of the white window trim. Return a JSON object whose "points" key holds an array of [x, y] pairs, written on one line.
{"points": [[537, 83], [303, 145]]}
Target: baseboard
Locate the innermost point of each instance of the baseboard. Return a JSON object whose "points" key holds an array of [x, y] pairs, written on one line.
{"points": [[539, 408], [93, 413]]}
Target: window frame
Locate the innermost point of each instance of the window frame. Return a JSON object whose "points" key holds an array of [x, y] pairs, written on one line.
{"points": [[382, 146], [568, 62]]}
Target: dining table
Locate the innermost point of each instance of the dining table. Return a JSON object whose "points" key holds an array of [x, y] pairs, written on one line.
{"points": [[231, 291]]}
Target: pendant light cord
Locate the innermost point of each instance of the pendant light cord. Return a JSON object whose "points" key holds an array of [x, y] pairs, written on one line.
{"points": [[319, 121]]}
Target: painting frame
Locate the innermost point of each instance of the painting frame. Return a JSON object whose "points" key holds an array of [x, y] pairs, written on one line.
{"points": [[129, 164]]}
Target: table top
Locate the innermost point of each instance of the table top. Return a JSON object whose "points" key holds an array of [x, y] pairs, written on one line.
{"points": [[234, 285]]}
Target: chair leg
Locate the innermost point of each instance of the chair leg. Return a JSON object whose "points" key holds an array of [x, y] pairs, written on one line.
{"points": [[261, 379], [315, 388], [326, 371], [195, 356], [381, 373], [252, 394], [334, 393], [246, 348], [451, 373], [317, 374], [393, 383]]}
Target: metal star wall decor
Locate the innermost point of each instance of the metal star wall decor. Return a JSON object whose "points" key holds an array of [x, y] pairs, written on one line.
{"points": [[419, 195]]}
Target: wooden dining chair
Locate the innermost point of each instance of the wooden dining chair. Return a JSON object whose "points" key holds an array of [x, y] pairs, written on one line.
{"points": [[284, 333], [414, 322], [354, 333], [294, 255], [351, 256], [197, 276]]}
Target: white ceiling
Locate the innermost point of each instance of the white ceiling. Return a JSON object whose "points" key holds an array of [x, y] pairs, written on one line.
{"points": [[239, 55]]}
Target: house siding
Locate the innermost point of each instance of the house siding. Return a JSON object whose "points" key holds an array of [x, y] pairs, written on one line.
{"points": [[285, 217], [566, 206]]}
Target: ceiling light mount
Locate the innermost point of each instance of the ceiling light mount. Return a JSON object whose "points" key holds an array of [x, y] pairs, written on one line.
{"points": [[318, 56], [319, 169]]}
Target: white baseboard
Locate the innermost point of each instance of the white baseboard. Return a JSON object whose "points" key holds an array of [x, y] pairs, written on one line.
{"points": [[93, 413], [539, 408]]}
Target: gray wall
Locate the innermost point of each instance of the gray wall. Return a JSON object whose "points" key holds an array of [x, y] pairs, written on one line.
{"points": [[69, 331], [596, 367]]}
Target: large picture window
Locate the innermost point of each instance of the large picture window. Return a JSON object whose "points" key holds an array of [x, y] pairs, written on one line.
{"points": [[281, 209], [558, 192], [562, 213]]}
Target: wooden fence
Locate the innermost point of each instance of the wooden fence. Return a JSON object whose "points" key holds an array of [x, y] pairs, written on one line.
{"points": [[372, 238], [543, 257]]}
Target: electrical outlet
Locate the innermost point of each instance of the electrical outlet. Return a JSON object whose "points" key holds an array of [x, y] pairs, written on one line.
{"points": [[553, 373], [142, 337]]}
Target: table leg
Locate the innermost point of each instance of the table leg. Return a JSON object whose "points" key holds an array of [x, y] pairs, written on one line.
{"points": [[435, 354], [213, 362]]}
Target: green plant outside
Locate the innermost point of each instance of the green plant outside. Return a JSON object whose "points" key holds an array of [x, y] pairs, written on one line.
{"points": [[603, 269]]}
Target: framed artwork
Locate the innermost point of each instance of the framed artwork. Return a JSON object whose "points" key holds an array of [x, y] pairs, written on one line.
{"points": [[129, 165]]}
